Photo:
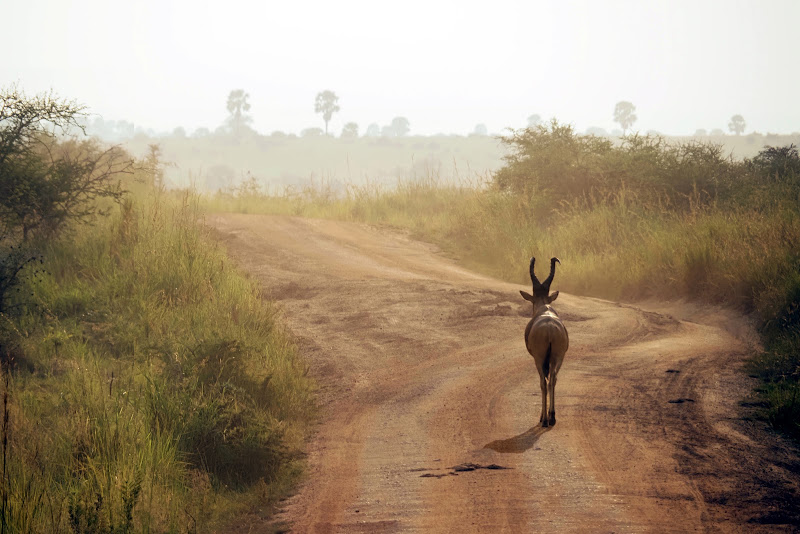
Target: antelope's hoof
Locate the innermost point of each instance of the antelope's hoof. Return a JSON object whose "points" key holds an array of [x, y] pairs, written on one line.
{"points": [[544, 423], [553, 421]]}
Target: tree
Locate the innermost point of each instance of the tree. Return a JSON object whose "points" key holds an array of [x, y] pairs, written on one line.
{"points": [[311, 132], [737, 124], [400, 126], [534, 121], [373, 130], [700, 132], [624, 114], [46, 182], [327, 104], [350, 130], [125, 129], [481, 129], [237, 106], [596, 130], [778, 162]]}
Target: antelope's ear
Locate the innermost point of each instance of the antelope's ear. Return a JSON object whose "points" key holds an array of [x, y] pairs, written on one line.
{"points": [[526, 296], [552, 297]]}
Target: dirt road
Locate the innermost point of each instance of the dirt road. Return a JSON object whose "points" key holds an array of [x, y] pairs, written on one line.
{"points": [[430, 402]]}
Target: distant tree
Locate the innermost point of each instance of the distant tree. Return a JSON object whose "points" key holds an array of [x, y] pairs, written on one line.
{"points": [[716, 132], [737, 124], [534, 121], [624, 114], [387, 131], [481, 129], [311, 132], [277, 134], [179, 132], [237, 106], [700, 132], [98, 128], [125, 129], [350, 130], [201, 132], [400, 126], [327, 104], [373, 130], [595, 130], [153, 164]]}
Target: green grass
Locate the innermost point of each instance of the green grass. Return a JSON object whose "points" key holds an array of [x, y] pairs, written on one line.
{"points": [[150, 387], [735, 242]]}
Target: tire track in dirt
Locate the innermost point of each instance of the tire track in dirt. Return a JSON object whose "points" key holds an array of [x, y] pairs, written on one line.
{"points": [[425, 385]]}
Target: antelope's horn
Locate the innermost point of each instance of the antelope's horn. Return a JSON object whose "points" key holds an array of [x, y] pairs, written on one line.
{"points": [[536, 282], [553, 262]]}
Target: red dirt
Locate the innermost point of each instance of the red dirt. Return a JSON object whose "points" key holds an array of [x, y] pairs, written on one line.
{"points": [[426, 390]]}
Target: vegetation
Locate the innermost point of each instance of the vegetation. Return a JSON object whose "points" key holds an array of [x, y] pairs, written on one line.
{"points": [[350, 131], [624, 114], [146, 385], [214, 161], [737, 124], [44, 184], [635, 220], [238, 106], [327, 104]]}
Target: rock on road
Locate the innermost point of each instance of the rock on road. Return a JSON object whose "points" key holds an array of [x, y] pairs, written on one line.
{"points": [[430, 402]]}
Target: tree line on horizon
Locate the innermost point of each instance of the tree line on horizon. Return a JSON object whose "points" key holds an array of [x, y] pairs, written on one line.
{"points": [[326, 103]]}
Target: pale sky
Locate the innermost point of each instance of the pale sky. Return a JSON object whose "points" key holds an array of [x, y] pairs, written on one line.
{"points": [[445, 66]]}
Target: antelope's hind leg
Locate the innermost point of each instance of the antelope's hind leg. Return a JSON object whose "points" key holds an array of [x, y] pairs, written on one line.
{"points": [[543, 384], [552, 387]]}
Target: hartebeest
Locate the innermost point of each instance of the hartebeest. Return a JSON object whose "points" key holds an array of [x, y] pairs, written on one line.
{"points": [[546, 339]]}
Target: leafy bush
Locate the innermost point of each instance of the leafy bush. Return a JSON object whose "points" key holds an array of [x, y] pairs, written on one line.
{"points": [[46, 182], [551, 164]]}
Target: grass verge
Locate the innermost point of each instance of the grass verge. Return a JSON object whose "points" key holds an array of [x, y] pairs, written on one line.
{"points": [[148, 387]]}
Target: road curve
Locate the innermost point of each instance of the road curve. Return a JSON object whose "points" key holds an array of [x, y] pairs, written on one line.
{"points": [[430, 402]]}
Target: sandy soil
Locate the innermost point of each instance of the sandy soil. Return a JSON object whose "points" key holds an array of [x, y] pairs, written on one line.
{"points": [[430, 402]]}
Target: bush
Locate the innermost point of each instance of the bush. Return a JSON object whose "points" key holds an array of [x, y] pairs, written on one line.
{"points": [[46, 182], [554, 165]]}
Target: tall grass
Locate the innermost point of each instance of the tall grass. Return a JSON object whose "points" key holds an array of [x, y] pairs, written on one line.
{"points": [[150, 387], [639, 220]]}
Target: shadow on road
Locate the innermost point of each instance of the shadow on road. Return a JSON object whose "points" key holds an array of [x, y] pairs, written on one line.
{"points": [[520, 443]]}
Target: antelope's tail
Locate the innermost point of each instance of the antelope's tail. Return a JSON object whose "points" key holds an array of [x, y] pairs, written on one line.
{"points": [[546, 364]]}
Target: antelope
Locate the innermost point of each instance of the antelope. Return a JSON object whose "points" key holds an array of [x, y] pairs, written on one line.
{"points": [[546, 339]]}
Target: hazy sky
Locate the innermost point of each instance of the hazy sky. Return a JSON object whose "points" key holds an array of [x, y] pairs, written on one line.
{"points": [[446, 66]]}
